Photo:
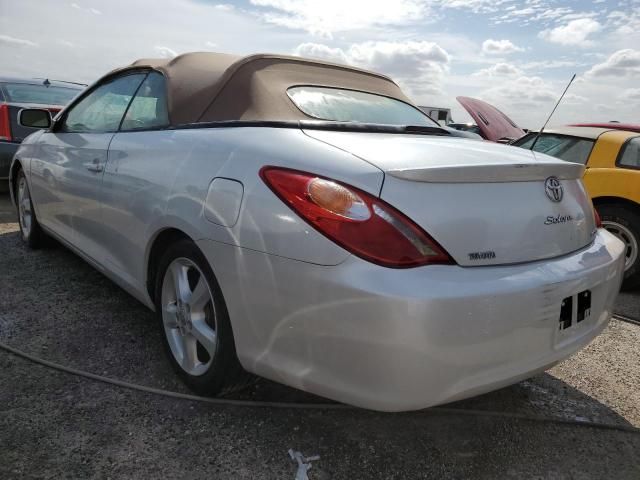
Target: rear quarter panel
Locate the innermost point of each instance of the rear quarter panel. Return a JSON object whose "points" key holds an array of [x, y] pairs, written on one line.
{"points": [[264, 223], [159, 180]]}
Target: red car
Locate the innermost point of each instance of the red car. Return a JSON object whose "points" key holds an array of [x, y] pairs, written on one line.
{"points": [[629, 127]]}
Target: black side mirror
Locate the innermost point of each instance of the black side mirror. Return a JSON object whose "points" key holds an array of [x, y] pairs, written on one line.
{"points": [[34, 118]]}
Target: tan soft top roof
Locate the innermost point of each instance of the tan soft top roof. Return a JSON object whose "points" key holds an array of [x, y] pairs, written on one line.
{"points": [[206, 87]]}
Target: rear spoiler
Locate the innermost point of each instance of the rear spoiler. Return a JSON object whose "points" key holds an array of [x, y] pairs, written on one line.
{"points": [[491, 173]]}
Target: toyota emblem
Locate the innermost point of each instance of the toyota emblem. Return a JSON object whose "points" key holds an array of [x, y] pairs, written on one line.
{"points": [[553, 189]]}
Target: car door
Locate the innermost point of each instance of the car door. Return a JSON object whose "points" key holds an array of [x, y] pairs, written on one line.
{"points": [[143, 159], [66, 178]]}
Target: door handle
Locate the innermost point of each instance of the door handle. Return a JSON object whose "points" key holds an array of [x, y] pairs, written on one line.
{"points": [[95, 166]]}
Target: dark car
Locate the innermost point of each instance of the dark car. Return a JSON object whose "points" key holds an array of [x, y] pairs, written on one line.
{"points": [[19, 93], [466, 127]]}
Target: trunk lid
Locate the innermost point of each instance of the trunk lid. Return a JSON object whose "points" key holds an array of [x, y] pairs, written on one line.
{"points": [[494, 125], [486, 204]]}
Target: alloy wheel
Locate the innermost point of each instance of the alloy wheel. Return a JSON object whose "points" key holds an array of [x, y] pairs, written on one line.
{"points": [[24, 207], [630, 241], [188, 316]]}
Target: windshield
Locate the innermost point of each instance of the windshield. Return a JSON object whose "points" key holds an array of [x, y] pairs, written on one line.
{"points": [[571, 149], [340, 105], [30, 93]]}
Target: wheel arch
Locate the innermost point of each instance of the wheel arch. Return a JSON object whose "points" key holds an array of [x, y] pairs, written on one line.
{"points": [[15, 167], [161, 241], [618, 201]]}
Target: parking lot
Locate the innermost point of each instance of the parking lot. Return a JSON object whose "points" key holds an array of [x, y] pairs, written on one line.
{"points": [[56, 425]]}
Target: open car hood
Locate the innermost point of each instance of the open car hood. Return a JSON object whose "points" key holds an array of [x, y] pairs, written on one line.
{"points": [[493, 124]]}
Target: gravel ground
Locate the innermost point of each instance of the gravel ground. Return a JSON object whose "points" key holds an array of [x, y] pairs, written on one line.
{"points": [[53, 425]]}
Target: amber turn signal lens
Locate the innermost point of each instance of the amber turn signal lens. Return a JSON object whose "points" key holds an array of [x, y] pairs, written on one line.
{"points": [[337, 199]]}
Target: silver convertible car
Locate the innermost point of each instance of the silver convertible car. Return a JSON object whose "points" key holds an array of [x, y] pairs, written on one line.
{"points": [[306, 222]]}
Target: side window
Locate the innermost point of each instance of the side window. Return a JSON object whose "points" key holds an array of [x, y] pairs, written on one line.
{"points": [[103, 108], [149, 107], [630, 155]]}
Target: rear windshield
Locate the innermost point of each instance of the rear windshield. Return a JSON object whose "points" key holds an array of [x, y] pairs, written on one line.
{"points": [[340, 105], [571, 149], [30, 93]]}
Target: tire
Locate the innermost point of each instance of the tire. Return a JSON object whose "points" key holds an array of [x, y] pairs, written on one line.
{"points": [[30, 230], [194, 322], [624, 223]]}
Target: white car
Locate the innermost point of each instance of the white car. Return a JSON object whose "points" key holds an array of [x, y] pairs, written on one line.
{"points": [[306, 222]]}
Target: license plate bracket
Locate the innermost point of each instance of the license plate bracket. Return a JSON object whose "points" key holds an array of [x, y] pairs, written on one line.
{"points": [[582, 301], [584, 305], [566, 313]]}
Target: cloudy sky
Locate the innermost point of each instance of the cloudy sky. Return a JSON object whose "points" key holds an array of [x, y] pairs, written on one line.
{"points": [[517, 55]]}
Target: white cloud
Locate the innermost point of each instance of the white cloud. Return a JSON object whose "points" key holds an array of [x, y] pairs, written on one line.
{"points": [[16, 42], [605, 108], [499, 47], [573, 33], [330, 16], [631, 94], [65, 43], [477, 6], [626, 24], [318, 50], [418, 66], [499, 70], [210, 44], [578, 16], [395, 56], [521, 93], [523, 12], [573, 99], [226, 7], [549, 64], [621, 63], [95, 11], [553, 13], [165, 52]]}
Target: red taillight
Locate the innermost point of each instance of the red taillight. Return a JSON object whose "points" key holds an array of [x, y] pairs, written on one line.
{"points": [[5, 125], [597, 217], [359, 222]]}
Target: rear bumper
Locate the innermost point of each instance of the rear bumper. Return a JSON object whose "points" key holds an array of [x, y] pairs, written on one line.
{"points": [[407, 339], [7, 151]]}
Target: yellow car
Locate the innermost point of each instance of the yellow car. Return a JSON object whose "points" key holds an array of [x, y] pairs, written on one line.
{"points": [[611, 153]]}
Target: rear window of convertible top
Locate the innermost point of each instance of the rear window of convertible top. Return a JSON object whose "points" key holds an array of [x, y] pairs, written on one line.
{"points": [[341, 105]]}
